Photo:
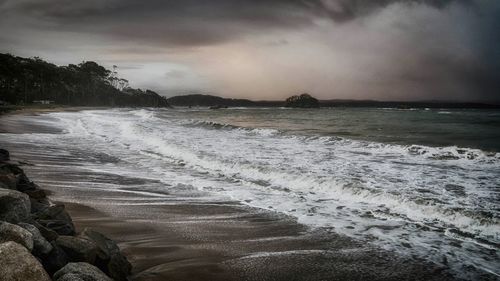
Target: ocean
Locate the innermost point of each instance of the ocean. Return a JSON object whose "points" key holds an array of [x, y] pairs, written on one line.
{"points": [[419, 182]]}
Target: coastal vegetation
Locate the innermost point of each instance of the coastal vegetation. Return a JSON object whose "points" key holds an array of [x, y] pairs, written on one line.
{"points": [[32, 80]]}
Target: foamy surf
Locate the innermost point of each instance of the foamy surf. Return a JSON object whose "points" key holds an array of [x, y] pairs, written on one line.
{"points": [[437, 202]]}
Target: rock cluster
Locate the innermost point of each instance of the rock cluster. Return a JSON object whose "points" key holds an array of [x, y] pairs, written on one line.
{"points": [[38, 240]]}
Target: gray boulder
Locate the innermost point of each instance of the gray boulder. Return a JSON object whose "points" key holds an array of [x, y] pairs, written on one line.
{"points": [[109, 258], [78, 249], [83, 270], [12, 232], [40, 245], [14, 206], [17, 264]]}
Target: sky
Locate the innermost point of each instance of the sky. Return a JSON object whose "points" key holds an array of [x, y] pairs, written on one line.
{"points": [[271, 49]]}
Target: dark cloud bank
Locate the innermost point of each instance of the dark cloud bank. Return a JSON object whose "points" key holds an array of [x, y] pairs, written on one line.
{"points": [[434, 49]]}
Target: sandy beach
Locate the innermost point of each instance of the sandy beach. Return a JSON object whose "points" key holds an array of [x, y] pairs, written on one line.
{"points": [[176, 234]]}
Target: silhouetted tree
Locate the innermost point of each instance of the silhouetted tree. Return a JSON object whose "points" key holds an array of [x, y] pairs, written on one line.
{"points": [[24, 80]]}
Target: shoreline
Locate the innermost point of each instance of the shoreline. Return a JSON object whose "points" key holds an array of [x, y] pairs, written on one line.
{"points": [[40, 109], [38, 239], [165, 237]]}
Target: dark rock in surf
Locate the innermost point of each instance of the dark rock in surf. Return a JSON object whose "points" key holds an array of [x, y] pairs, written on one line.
{"points": [[15, 233], [78, 249], [109, 258], [14, 206], [82, 270], [302, 101], [18, 264]]}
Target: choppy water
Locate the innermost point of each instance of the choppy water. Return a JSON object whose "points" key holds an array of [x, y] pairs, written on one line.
{"points": [[419, 182]]}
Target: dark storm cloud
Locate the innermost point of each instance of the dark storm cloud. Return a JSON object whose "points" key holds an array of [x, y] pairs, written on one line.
{"points": [[191, 22], [451, 52]]}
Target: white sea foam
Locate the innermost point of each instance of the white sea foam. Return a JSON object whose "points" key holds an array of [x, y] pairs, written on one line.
{"points": [[401, 194]]}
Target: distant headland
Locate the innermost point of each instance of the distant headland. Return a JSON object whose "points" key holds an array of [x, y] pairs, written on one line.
{"points": [[202, 100]]}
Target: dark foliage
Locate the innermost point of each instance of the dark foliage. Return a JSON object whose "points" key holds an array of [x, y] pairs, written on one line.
{"points": [[207, 100], [210, 101], [25, 80]]}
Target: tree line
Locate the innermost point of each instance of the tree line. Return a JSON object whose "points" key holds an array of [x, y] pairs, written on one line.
{"points": [[26, 80]]}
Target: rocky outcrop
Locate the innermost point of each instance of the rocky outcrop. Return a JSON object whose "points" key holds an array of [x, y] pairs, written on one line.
{"points": [[78, 249], [15, 233], [40, 245], [55, 218], [38, 238], [17, 264], [22, 183], [81, 270], [48, 234], [109, 258], [14, 206], [55, 259]]}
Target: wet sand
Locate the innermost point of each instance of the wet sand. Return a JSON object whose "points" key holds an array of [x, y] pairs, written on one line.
{"points": [[184, 234]]}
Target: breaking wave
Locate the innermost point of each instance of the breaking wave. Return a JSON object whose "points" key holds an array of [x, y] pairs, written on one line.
{"points": [[406, 196]]}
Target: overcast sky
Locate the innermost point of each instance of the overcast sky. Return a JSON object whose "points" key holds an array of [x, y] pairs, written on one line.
{"points": [[271, 49]]}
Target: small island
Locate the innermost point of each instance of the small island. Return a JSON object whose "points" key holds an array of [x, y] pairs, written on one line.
{"points": [[302, 101]]}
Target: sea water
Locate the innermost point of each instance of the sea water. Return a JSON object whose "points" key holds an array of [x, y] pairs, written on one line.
{"points": [[421, 182]]}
